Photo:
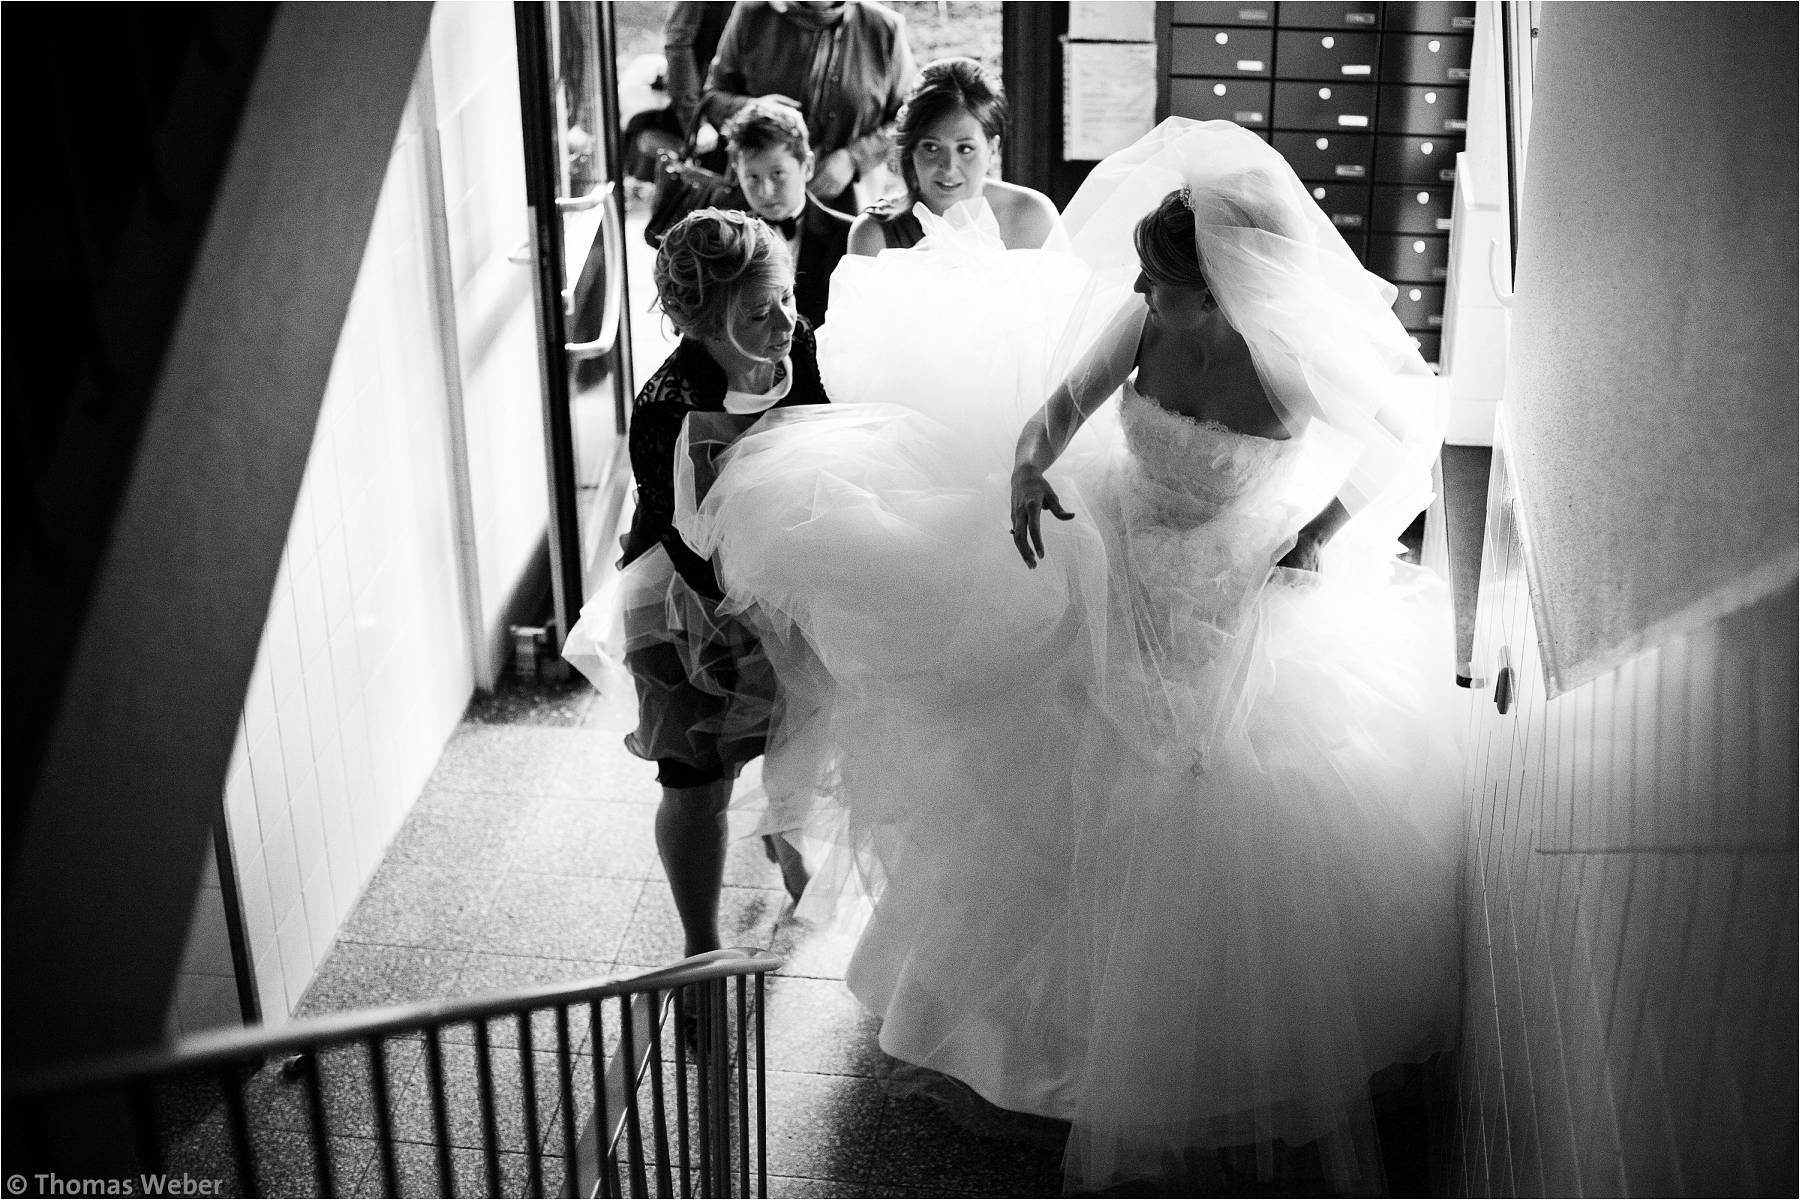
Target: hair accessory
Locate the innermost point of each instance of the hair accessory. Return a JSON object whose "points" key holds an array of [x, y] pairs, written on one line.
{"points": [[1187, 197]]}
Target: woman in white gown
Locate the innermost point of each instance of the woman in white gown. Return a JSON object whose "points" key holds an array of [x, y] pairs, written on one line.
{"points": [[1163, 832]]}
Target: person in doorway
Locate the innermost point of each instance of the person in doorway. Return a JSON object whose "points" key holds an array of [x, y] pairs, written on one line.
{"points": [[947, 140], [661, 109], [650, 128], [845, 64], [769, 153], [707, 699], [691, 33]]}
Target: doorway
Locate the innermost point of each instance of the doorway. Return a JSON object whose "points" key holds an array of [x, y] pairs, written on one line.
{"points": [[935, 29], [586, 70], [569, 104]]}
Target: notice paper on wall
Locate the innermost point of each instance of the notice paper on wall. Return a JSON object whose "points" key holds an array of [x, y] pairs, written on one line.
{"points": [[1109, 96], [1112, 21]]}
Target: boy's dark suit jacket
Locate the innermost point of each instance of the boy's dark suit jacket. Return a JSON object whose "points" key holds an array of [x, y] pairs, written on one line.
{"points": [[824, 237]]}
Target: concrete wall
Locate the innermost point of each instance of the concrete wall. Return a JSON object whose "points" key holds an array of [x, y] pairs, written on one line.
{"points": [[1653, 334], [106, 869], [1630, 1015]]}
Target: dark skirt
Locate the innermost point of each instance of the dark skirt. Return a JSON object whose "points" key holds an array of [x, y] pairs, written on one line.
{"points": [[706, 691]]}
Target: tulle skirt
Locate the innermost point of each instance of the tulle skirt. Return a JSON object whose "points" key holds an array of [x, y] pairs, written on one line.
{"points": [[706, 690], [1161, 839], [692, 683]]}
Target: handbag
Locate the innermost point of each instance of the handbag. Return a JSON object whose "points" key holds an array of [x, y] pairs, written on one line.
{"points": [[683, 185]]}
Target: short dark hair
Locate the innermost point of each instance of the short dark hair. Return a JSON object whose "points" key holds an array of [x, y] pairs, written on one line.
{"points": [[945, 86], [765, 124]]}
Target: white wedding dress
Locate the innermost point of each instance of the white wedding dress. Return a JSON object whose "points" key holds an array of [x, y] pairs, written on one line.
{"points": [[1161, 839]]}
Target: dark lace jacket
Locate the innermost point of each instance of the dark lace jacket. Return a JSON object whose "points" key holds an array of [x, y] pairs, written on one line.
{"points": [[690, 381]]}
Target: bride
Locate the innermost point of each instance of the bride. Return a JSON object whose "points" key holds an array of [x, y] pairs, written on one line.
{"points": [[1161, 822]]}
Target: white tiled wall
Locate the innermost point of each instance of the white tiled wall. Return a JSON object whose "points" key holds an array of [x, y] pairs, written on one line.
{"points": [[365, 662], [364, 668], [1630, 1018]]}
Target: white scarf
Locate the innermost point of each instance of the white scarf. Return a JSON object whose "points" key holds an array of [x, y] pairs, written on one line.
{"points": [[745, 403]]}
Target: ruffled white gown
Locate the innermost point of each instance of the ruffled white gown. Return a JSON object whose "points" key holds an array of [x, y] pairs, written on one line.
{"points": [[1162, 839]]}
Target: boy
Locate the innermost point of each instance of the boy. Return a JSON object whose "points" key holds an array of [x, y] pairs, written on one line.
{"points": [[767, 145]]}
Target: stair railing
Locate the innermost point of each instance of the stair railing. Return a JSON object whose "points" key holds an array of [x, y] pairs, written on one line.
{"points": [[609, 1107]]}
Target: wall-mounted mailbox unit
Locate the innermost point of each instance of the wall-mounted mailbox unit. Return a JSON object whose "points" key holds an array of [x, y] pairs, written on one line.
{"points": [[1367, 100]]}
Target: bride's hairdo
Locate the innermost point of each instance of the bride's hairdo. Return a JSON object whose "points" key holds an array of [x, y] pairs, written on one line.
{"points": [[1165, 242], [945, 86], [707, 259], [1248, 199]]}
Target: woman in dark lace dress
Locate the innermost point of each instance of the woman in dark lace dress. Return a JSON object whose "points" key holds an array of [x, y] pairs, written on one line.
{"points": [[706, 693]]}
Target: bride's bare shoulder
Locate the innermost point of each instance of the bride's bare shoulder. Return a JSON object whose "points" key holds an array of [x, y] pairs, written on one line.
{"points": [[1025, 215]]}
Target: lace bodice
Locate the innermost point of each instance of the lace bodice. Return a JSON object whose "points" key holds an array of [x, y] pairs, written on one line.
{"points": [[1201, 466]]}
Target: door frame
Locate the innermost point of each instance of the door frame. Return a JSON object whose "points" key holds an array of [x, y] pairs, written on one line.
{"points": [[555, 294]]}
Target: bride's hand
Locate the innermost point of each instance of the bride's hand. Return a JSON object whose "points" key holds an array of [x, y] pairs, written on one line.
{"points": [[1032, 496], [1304, 556], [1311, 539]]}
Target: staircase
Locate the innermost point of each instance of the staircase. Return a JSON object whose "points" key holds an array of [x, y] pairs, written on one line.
{"points": [[584, 1089]]}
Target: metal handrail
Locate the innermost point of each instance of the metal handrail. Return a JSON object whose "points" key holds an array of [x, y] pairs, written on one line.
{"points": [[574, 204], [229, 1046], [612, 246], [106, 1111]]}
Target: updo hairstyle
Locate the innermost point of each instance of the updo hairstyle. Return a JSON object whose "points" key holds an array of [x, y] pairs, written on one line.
{"points": [[765, 124], [1248, 199], [1164, 238], [945, 86], [707, 259]]}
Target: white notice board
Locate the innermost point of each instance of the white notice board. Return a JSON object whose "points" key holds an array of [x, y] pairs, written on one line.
{"points": [[1112, 21], [1109, 95]]}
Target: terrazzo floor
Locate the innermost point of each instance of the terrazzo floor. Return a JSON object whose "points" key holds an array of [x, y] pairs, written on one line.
{"points": [[529, 858]]}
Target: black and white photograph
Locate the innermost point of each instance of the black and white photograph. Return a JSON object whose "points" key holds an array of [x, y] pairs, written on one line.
{"points": [[901, 598]]}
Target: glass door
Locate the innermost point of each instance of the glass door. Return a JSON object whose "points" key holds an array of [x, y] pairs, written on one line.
{"points": [[569, 99]]}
